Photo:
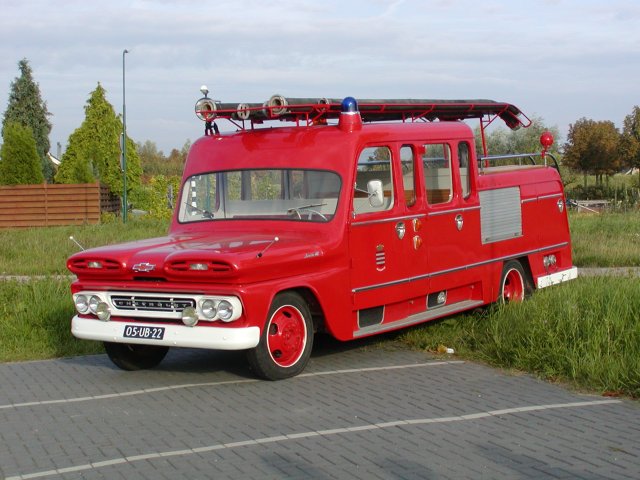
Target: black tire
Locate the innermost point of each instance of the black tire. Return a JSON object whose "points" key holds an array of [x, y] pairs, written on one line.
{"points": [[514, 284], [129, 356], [286, 340]]}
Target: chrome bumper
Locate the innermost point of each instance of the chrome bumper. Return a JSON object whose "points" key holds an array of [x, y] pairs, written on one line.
{"points": [[558, 277], [214, 338]]}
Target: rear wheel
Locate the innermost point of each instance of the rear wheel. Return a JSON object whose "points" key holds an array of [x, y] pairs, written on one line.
{"points": [[286, 340], [129, 356], [513, 284]]}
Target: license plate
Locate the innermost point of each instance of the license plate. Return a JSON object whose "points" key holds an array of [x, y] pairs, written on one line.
{"points": [[149, 333]]}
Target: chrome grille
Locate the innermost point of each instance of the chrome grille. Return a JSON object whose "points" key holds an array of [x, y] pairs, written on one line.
{"points": [[151, 304]]}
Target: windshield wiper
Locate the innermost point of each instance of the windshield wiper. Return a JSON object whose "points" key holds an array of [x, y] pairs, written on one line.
{"points": [[204, 213]]}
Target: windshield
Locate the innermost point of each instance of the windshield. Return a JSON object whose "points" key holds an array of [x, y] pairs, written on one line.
{"points": [[282, 194]]}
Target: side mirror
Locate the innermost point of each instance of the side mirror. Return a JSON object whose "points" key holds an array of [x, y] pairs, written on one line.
{"points": [[375, 192]]}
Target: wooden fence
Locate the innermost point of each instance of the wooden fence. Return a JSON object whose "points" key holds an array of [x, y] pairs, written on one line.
{"points": [[48, 205]]}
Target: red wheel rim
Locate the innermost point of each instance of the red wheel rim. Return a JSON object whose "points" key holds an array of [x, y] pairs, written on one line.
{"points": [[513, 286], [286, 336]]}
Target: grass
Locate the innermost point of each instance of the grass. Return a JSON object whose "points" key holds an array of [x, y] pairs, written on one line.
{"points": [[606, 239], [35, 321], [586, 332], [44, 251]]}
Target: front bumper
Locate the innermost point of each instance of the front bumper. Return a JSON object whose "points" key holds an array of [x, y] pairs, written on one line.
{"points": [[214, 338]]}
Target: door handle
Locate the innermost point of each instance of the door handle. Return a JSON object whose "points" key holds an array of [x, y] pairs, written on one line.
{"points": [[459, 222]]}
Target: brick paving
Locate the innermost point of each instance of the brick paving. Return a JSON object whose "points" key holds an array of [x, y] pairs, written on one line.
{"points": [[359, 411]]}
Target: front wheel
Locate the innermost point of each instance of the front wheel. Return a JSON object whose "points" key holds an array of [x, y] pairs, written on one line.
{"points": [[286, 340], [129, 356], [513, 283]]}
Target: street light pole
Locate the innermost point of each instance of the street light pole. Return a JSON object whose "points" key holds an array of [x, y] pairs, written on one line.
{"points": [[124, 145]]}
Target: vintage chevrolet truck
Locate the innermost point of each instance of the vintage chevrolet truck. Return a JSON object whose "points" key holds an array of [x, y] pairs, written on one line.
{"points": [[352, 218]]}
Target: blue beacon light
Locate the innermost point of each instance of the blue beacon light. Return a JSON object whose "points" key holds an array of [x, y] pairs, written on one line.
{"points": [[349, 105], [350, 119]]}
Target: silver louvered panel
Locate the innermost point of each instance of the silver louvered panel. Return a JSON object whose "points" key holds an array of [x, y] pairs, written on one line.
{"points": [[500, 214]]}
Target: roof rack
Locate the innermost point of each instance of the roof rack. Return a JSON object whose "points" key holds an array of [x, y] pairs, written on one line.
{"points": [[312, 111]]}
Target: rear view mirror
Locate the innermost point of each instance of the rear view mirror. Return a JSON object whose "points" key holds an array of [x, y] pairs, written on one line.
{"points": [[375, 192]]}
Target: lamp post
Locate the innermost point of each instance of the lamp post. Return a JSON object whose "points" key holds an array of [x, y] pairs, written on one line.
{"points": [[124, 146]]}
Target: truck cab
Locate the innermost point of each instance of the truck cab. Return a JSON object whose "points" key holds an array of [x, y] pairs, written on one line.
{"points": [[353, 222]]}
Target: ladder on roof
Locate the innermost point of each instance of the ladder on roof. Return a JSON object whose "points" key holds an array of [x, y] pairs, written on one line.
{"points": [[312, 111]]}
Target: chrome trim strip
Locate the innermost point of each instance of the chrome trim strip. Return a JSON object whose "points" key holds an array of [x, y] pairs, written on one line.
{"points": [[542, 197], [455, 210], [456, 269], [551, 195], [385, 220], [418, 318]]}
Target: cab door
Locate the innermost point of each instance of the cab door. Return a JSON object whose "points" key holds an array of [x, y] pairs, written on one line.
{"points": [[453, 225], [381, 238]]}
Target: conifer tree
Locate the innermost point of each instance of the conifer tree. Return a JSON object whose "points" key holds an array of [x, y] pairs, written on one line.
{"points": [[27, 108], [19, 162], [94, 149]]}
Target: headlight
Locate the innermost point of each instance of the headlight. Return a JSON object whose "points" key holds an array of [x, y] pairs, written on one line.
{"points": [[225, 311], [82, 304], [103, 312], [208, 308], [93, 303], [190, 317]]}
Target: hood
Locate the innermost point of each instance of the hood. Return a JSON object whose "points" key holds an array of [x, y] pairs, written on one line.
{"points": [[208, 257]]}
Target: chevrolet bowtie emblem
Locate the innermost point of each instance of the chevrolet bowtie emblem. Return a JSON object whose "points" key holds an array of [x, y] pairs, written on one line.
{"points": [[143, 267]]}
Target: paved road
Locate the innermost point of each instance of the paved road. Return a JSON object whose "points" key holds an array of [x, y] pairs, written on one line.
{"points": [[359, 411]]}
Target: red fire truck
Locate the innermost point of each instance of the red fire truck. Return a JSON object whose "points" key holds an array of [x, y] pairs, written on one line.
{"points": [[351, 218]]}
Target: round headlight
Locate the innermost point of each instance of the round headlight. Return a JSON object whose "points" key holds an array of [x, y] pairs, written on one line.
{"points": [[82, 304], [208, 308], [190, 317], [93, 303], [225, 311], [103, 312]]}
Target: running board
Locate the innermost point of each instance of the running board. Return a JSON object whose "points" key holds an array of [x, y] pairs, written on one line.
{"points": [[419, 318]]}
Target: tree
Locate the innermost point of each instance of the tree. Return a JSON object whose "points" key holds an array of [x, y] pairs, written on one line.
{"points": [[524, 140], [154, 162], [74, 168], [593, 148], [94, 148], [27, 108], [630, 139], [19, 164]]}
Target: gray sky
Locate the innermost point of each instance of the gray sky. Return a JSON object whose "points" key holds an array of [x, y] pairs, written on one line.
{"points": [[557, 59]]}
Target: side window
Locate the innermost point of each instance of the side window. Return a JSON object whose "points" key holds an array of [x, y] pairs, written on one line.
{"points": [[374, 163], [437, 173], [408, 174], [464, 158]]}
